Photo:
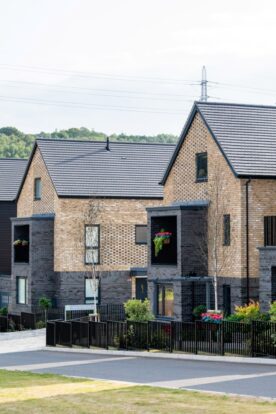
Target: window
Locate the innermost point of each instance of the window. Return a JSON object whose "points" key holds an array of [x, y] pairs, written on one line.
{"points": [[21, 290], [164, 241], [140, 234], [201, 167], [226, 300], [92, 244], [21, 243], [91, 290], [273, 283], [165, 300], [37, 189], [270, 231], [226, 230]]}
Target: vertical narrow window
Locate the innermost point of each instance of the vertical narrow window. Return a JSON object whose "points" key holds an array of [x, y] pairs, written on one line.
{"points": [[226, 230], [226, 300], [270, 231], [165, 300], [91, 290], [140, 234], [201, 167], [21, 290], [37, 188], [92, 244]]}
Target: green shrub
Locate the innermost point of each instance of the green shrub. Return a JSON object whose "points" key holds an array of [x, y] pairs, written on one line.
{"points": [[234, 318], [272, 311], [40, 325], [250, 312], [198, 310], [3, 311], [138, 310]]}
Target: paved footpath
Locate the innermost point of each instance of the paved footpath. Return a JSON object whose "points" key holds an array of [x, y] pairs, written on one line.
{"points": [[220, 377], [22, 341]]}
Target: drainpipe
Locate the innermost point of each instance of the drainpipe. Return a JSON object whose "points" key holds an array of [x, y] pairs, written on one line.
{"points": [[247, 238]]}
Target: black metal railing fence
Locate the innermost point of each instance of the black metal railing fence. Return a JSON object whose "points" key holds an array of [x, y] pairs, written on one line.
{"points": [[226, 338]]}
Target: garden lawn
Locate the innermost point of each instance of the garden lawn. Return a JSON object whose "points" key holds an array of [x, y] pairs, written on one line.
{"points": [[22, 392]]}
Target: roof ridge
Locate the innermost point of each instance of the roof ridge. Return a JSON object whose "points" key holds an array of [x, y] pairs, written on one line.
{"points": [[236, 104], [103, 141], [13, 159]]}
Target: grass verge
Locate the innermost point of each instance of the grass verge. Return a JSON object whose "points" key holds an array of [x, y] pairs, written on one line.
{"points": [[22, 392]]}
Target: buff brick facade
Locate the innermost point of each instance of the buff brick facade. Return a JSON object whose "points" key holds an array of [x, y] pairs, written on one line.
{"points": [[225, 191], [62, 221]]}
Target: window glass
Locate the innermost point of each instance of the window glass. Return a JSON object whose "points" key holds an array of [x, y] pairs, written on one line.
{"points": [[92, 244], [140, 234], [37, 188], [165, 300], [226, 230], [92, 236], [92, 256], [201, 166], [91, 290], [270, 231], [22, 290]]}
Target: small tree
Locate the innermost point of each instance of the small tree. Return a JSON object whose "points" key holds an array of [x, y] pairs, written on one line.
{"points": [[92, 217], [138, 310], [46, 304]]}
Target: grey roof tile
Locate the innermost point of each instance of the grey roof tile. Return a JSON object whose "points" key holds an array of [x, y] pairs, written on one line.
{"points": [[87, 169], [11, 174], [246, 135]]}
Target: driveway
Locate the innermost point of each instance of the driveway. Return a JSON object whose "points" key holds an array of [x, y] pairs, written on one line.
{"points": [[234, 378], [22, 341]]}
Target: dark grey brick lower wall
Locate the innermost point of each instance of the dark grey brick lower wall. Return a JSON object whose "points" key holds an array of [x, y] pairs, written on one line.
{"points": [[115, 287], [5, 283]]}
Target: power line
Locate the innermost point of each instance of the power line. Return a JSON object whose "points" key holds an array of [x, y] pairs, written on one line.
{"points": [[80, 105], [119, 94], [106, 76]]}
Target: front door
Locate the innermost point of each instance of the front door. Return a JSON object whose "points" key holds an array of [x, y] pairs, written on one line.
{"points": [[141, 288]]}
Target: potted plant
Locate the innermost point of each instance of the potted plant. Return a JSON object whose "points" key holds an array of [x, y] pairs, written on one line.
{"points": [[161, 238]]}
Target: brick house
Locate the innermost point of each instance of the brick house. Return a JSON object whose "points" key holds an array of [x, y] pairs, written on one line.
{"points": [[220, 211], [84, 203], [11, 174]]}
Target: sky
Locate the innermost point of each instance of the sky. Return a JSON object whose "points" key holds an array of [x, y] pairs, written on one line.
{"points": [[131, 66]]}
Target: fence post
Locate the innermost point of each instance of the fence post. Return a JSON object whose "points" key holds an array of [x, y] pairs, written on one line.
{"points": [[71, 335], [148, 345], [222, 338], [126, 325], [106, 331], [55, 333], [252, 339], [171, 336], [196, 337]]}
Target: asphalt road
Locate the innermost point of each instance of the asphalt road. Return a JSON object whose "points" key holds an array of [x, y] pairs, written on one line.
{"points": [[243, 379]]}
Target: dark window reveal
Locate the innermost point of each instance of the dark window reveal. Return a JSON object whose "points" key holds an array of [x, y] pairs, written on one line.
{"points": [[37, 189], [21, 243], [140, 234], [226, 230], [270, 231], [92, 244], [165, 300], [201, 167], [163, 240], [273, 283]]}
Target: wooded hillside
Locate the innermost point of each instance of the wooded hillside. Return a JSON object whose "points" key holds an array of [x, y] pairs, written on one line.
{"points": [[16, 144]]}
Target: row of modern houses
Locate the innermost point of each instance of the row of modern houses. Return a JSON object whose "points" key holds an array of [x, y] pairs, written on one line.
{"points": [[182, 225]]}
